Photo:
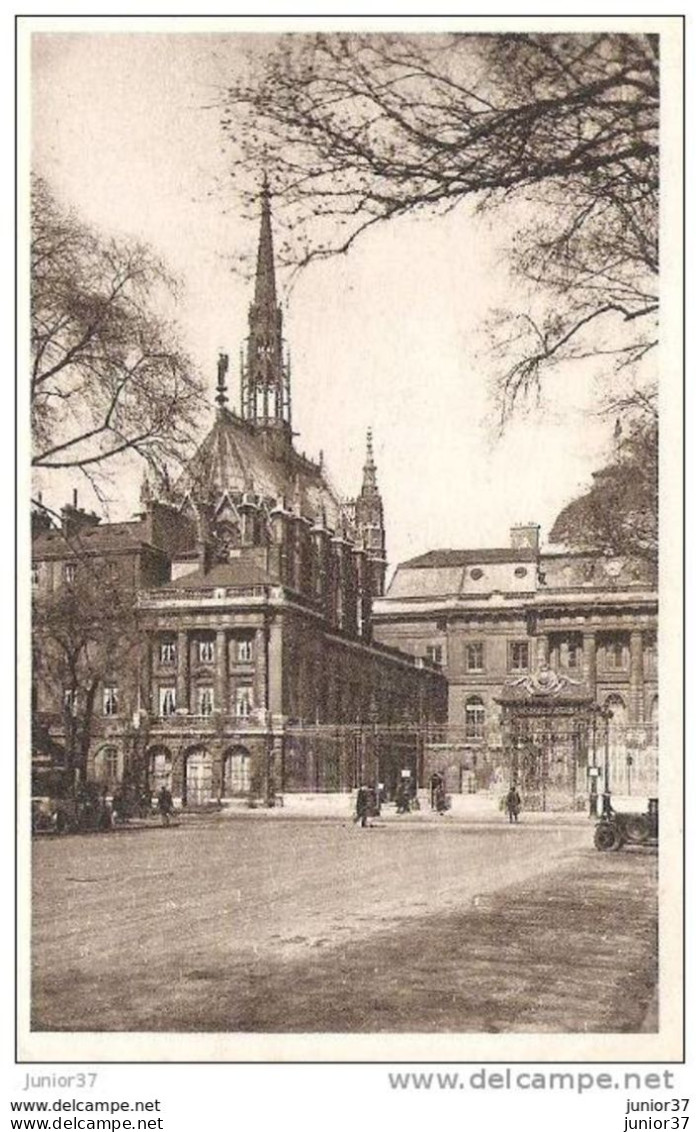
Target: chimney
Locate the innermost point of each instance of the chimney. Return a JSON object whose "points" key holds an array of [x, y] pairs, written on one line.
{"points": [[525, 536], [41, 520], [75, 519]]}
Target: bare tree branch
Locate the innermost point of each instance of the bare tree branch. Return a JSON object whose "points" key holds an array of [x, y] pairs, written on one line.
{"points": [[108, 375]]}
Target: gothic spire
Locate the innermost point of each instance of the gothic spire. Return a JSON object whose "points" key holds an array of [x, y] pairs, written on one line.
{"points": [[265, 289], [369, 472], [265, 393], [369, 520]]}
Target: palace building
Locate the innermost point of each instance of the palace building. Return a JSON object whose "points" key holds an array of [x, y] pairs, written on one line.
{"points": [[546, 650], [253, 584]]}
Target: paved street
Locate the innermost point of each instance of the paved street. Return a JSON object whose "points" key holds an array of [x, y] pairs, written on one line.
{"points": [[272, 925]]}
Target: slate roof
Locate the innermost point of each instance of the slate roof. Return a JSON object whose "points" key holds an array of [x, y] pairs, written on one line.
{"points": [[235, 573], [106, 538], [234, 457], [486, 556]]}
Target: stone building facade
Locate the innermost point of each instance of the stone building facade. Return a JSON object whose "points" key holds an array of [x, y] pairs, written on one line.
{"points": [[253, 583], [492, 617]]}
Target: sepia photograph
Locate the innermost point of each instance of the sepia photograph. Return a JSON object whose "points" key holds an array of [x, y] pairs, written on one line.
{"points": [[350, 729]]}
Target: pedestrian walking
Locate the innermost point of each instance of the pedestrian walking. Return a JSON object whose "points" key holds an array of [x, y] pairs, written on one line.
{"points": [[165, 805], [436, 781], [442, 803], [362, 803], [403, 798], [513, 804]]}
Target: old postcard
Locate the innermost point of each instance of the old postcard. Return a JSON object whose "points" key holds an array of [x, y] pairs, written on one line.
{"points": [[351, 698]]}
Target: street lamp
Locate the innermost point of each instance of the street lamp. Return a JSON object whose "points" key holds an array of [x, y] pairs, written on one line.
{"points": [[606, 716]]}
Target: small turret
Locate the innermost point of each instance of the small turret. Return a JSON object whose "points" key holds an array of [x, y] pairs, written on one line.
{"points": [[369, 520], [221, 371]]}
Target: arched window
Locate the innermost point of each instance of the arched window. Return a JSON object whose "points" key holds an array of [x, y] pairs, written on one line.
{"points": [[160, 768], [475, 713], [198, 784], [107, 766], [618, 713], [236, 772]]}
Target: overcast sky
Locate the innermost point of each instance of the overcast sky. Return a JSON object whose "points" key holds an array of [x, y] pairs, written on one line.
{"points": [[391, 336]]}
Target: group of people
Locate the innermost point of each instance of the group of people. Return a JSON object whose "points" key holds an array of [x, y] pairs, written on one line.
{"points": [[368, 800], [123, 807]]}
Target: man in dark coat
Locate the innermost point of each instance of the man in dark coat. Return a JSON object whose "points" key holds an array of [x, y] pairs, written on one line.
{"points": [[513, 804], [165, 804], [362, 806], [436, 782]]}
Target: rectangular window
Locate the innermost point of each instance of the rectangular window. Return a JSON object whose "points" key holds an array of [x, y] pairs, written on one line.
{"points": [[35, 576], [244, 650], [475, 720], [570, 654], [166, 701], [244, 703], [110, 701], [70, 699], [434, 653], [474, 656], [167, 652], [518, 656], [206, 652], [205, 701], [69, 572]]}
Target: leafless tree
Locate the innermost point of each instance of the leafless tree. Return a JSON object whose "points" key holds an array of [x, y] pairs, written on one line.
{"points": [[108, 375], [356, 130], [85, 635]]}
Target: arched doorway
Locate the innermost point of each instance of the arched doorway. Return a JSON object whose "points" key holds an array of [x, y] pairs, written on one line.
{"points": [[197, 777], [160, 769], [236, 773], [107, 766]]}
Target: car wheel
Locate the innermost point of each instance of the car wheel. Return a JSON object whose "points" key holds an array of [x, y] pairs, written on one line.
{"points": [[606, 838], [637, 829]]}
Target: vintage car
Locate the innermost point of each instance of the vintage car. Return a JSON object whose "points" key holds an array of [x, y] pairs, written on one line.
{"points": [[62, 810], [616, 829]]}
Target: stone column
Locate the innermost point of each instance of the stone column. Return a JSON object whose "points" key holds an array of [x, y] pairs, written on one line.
{"points": [[274, 668], [260, 678], [636, 708], [221, 703], [183, 672], [589, 661]]}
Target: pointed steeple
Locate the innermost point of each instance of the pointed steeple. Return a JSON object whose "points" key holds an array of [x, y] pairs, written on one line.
{"points": [[369, 472], [265, 393], [265, 289], [369, 520]]}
